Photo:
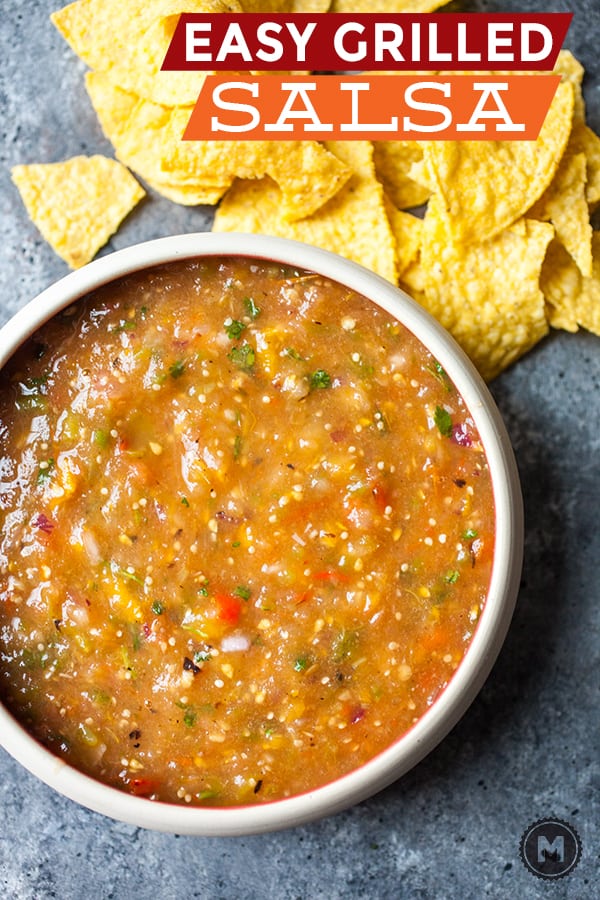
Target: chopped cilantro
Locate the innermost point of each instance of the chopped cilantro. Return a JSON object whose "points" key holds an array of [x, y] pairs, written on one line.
{"points": [[202, 656], [293, 354], [301, 664], [242, 591], [203, 591], [127, 575], [157, 608], [100, 437], [234, 329], [128, 325], [177, 369], [470, 534], [243, 356], [185, 501], [452, 576], [320, 379], [443, 420], [237, 446], [189, 717], [251, 308], [45, 471], [345, 644], [30, 401], [439, 373]]}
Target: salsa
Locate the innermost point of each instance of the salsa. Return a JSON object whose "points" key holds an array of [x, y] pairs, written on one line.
{"points": [[247, 532]]}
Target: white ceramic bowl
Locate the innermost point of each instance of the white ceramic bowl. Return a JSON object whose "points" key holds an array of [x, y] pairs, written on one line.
{"points": [[493, 623]]}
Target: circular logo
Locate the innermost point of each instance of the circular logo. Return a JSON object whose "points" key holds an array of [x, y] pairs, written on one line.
{"points": [[550, 848]]}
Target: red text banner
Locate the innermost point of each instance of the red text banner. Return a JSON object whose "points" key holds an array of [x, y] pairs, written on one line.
{"points": [[377, 107], [370, 41]]}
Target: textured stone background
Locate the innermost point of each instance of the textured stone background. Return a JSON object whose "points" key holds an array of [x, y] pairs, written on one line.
{"points": [[527, 748]]}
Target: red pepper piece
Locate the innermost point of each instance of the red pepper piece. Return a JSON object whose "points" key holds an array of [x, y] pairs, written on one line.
{"points": [[229, 607]]}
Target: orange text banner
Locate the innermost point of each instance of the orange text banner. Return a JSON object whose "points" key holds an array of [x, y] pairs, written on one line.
{"points": [[371, 107]]}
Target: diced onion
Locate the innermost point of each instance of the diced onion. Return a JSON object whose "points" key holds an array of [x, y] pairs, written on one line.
{"points": [[233, 643]]}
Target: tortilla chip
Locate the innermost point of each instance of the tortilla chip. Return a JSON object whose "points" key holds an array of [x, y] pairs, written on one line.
{"points": [[128, 41], [488, 185], [386, 6], [353, 223], [584, 140], [487, 294], [393, 161], [310, 6], [408, 232], [587, 305], [413, 281], [564, 204], [306, 172], [147, 137], [560, 281], [188, 195], [77, 204], [573, 72], [266, 6], [572, 299], [295, 6]]}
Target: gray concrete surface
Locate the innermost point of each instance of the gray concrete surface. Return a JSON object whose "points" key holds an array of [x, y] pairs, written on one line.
{"points": [[527, 748]]}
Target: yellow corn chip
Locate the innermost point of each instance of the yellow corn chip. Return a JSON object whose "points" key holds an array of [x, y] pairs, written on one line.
{"points": [[266, 6], [560, 282], [188, 195], [413, 281], [77, 204], [353, 223], [393, 161], [128, 41], [587, 305], [572, 299], [572, 71], [564, 204], [386, 6], [306, 172], [408, 232], [584, 140], [295, 6], [486, 294], [310, 6], [147, 138], [487, 185]]}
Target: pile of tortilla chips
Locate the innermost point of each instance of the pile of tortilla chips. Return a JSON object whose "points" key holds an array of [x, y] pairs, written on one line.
{"points": [[502, 246]]}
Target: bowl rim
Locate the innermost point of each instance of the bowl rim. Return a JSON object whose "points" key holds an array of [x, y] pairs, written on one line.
{"points": [[494, 621]]}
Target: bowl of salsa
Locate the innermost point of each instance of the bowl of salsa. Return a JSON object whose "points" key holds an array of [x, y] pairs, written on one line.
{"points": [[261, 534]]}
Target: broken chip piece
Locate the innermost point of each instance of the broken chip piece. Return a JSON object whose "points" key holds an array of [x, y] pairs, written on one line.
{"points": [[77, 204]]}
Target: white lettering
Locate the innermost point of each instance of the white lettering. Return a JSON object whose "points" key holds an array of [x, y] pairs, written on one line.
{"points": [[356, 125], [436, 55], [389, 45], [234, 42], [465, 55], [193, 42], [501, 112], [339, 46], [263, 33], [445, 88], [495, 41], [309, 112], [529, 55], [301, 39], [220, 103]]}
